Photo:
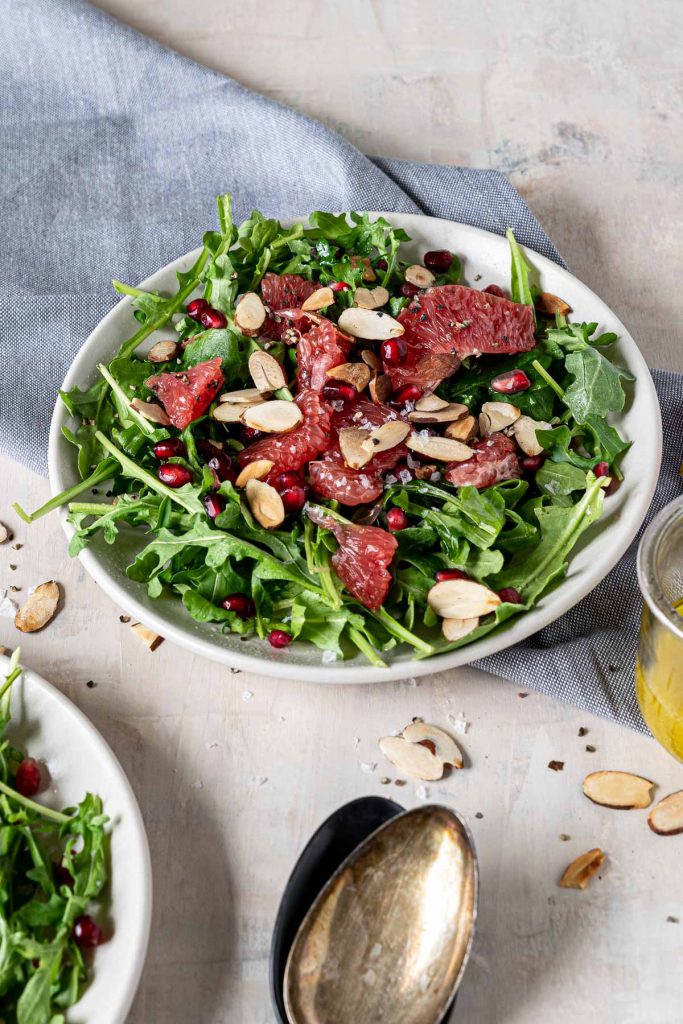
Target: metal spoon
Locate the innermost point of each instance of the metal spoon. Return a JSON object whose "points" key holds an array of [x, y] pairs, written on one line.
{"points": [[387, 939]]}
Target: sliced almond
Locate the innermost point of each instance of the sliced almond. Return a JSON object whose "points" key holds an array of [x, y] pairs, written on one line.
{"points": [[371, 324], [430, 403], [226, 412], [163, 351], [318, 299], [244, 397], [411, 758], [445, 748], [368, 271], [425, 471], [265, 504], [5, 534], [456, 629], [371, 359], [255, 470], [387, 436], [356, 374], [496, 416], [250, 314], [449, 413], [443, 449], [525, 429], [380, 388], [351, 445], [373, 298], [39, 608], [462, 599], [266, 372], [276, 417], [151, 411], [666, 817], [581, 870], [551, 304], [620, 790], [463, 430], [148, 636], [419, 276]]}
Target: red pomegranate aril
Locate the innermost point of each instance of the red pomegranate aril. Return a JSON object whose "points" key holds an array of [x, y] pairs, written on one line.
{"points": [[438, 260], [240, 604], [171, 448], [511, 383], [410, 393], [279, 638], [214, 505], [494, 289], [223, 467], [441, 575], [397, 520], [196, 307], [173, 475], [251, 434], [532, 462], [28, 780], [409, 290], [393, 351], [602, 469], [510, 595], [340, 391], [63, 876], [87, 933], [382, 264], [293, 491], [339, 286], [212, 319]]}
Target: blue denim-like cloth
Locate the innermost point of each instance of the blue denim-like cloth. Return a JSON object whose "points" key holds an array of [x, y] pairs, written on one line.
{"points": [[113, 149]]}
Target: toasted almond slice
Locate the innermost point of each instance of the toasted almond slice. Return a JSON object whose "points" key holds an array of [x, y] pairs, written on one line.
{"points": [[412, 758], [250, 314], [265, 504], [495, 416], [525, 429], [371, 359], [368, 298], [551, 304], [276, 417], [443, 449], [419, 276], [456, 629], [387, 436], [462, 599], [151, 411], [163, 351], [4, 533], [351, 445], [371, 324], [445, 748], [226, 412], [430, 403], [357, 374], [462, 430], [266, 372], [666, 817], [619, 790], [450, 412], [255, 470], [581, 870], [380, 388], [148, 636], [39, 608], [318, 299], [368, 271], [244, 397]]}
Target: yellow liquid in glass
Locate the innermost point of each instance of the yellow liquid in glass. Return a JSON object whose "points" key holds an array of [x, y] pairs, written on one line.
{"points": [[659, 686]]}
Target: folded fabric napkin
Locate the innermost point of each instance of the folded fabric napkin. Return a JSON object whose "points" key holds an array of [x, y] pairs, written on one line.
{"points": [[113, 149]]}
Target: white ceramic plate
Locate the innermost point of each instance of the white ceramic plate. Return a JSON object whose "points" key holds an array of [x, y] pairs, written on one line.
{"points": [[482, 253], [52, 729]]}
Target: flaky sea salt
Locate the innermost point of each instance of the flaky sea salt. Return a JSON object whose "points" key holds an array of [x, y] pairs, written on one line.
{"points": [[258, 780], [8, 607], [459, 723], [247, 695], [329, 656], [367, 767], [422, 793]]}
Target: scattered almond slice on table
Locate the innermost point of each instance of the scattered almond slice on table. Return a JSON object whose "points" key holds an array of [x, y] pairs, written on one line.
{"points": [[5, 534], [666, 817], [151, 639], [39, 609], [422, 751], [618, 790], [581, 870]]}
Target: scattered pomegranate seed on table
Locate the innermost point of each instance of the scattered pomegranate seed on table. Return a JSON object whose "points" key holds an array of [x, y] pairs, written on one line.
{"points": [[511, 382], [87, 933], [279, 638], [393, 351], [171, 448], [28, 779], [240, 604], [441, 575], [396, 520], [173, 475], [438, 260]]}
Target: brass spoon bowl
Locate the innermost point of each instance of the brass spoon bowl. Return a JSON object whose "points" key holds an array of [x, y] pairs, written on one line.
{"points": [[388, 937]]}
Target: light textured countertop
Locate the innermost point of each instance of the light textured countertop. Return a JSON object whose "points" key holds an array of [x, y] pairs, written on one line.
{"points": [[581, 105]]}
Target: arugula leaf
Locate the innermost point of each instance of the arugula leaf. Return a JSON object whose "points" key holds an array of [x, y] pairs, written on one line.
{"points": [[520, 286], [596, 388], [555, 478]]}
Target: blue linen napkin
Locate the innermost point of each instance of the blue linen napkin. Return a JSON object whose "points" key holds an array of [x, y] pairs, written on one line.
{"points": [[113, 149]]}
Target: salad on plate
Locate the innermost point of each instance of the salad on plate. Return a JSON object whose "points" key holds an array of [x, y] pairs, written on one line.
{"points": [[326, 442]]}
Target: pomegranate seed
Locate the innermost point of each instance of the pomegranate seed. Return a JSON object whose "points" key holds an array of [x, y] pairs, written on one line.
{"points": [[409, 289], [511, 382], [28, 780], [214, 505], [251, 434], [396, 520], [494, 289], [340, 391], [438, 261], [173, 475], [223, 467], [63, 876], [293, 490], [393, 351], [450, 574], [279, 638], [240, 604], [612, 486], [212, 319], [532, 462], [171, 448], [602, 469], [197, 307], [510, 595], [410, 393], [87, 933], [339, 286], [382, 264]]}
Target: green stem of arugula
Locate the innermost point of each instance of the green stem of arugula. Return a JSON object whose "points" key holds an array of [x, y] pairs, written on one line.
{"points": [[31, 805], [145, 426], [365, 647], [138, 473], [550, 381], [90, 509], [401, 633], [105, 471]]}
